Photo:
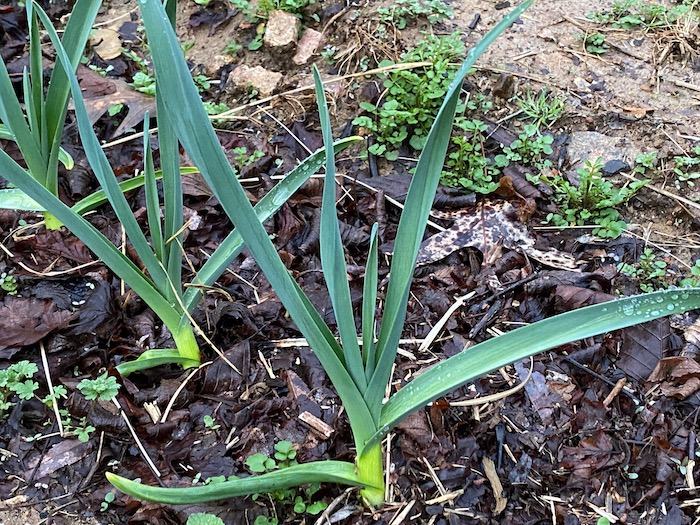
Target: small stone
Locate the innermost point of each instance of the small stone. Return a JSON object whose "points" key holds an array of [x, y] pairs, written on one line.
{"points": [[258, 78], [106, 43], [307, 46], [281, 31], [591, 145], [615, 166], [216, 64]]}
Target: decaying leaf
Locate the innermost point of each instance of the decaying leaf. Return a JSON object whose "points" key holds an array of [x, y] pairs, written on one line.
{"points": [[679, 377], [643, 346], [24, 321], [103, 92], [488, 225], [106, 43]]}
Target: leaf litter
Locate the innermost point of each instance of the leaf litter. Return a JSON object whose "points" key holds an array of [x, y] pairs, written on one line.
{"points": [[569, 447]]}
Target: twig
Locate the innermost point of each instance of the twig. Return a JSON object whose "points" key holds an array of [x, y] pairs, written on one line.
{"points": [[139, 445], [477, 401], [437, 328], [54, 403], [168, 408], [665, 193]]}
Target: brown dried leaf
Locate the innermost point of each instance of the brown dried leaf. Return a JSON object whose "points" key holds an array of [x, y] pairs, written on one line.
{"points": [[102, 92], [593, 453], [106, 43], [569, 297], [643, 346], [24, 321], [679, 376], [46, 246], [489, 225]]}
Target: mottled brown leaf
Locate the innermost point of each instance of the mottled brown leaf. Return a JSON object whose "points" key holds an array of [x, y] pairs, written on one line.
{"points": [[643, 346], [488, 225], [102, 92], [24, 321], [679, 376]]}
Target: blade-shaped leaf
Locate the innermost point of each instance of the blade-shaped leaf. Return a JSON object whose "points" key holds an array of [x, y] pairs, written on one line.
{"points": [[332, 252], [75, 37], [266, 207], [94, 240], [414, 219], [530, 340], [152, 199], [317, 472], [103, 170], [196, 134], [12, 117], [369, 303]]}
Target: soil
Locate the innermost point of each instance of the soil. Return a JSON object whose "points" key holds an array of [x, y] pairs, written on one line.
{"points": [[570, 447]]}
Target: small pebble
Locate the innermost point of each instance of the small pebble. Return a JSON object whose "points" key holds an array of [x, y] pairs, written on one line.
{"points": [[615, 166]]}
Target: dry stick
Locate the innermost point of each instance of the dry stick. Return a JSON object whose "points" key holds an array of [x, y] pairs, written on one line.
{"points": [[46, 273], [310, 87], [437, 328], [168, 408], [95, 465], [389, 199], [325, 517], [658, 247], [401, 516], [477, 401], [54, 402], [665, 193], [139, 445]]}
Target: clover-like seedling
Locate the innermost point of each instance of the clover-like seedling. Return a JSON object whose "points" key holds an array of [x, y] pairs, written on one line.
{"points": [[260, 463], [103, 387]]}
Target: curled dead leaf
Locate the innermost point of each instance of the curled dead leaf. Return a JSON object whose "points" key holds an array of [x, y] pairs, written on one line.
{"points": [[677, 377]]}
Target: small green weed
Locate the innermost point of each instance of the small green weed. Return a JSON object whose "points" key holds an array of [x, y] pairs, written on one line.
{"points": [[544, 108], [232, 48], [243, 158], [413, 97], [17, 380], [8, 283], [649, 271], [290, 6], [144, 83], [530, 148], [591, 202], [595, 44], [694, 279], [81, 429], [637, 14], [284, 457], [645, 162], [202, 518], [687, 169], [214, 108], [245, 7], [103, 387], [109, 498], [210, 423], [467, 165], [402, 12], [265, 520]]}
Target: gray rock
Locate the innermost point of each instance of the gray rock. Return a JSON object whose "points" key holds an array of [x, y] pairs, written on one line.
{"points": [[591, 145], [615, 166]]}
